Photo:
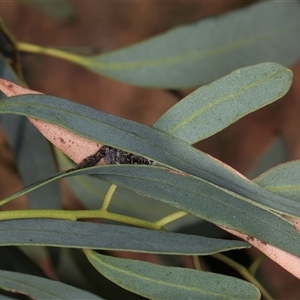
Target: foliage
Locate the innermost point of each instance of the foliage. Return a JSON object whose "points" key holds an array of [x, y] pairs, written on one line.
{"points": [[183, 181]]}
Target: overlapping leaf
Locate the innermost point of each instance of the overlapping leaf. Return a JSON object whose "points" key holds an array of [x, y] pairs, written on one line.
{"points": [[283, 180], [143, 140], [60, 233], [197, 197], [40, 288], [219, 104], [216, 193], [198, 53], [160, 282]]}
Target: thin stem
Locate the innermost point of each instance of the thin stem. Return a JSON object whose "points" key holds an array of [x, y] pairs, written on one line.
{"points": [[256, 264], [196, 262], [75, 215], [108, 197], [244, 272], [170, 218], [31, 48]]}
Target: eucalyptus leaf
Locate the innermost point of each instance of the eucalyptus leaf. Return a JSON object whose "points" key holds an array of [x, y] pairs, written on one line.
{"points": [[213, 107], [207, 202], [200, 52], [40, 288], [283, 180], [146, 141], [196, 196], [62, 233], [161, 282]]}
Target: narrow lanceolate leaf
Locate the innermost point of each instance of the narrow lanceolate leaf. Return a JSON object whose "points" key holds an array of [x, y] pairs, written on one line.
{"points": [[160, 282], [40, 288], [283, 180], [200, 52], [198, 197], [61, 233], [207, 202], [143, 140], [213, 107]]}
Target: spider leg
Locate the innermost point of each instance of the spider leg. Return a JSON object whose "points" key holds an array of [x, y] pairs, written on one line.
{"points": [[91, 160]]}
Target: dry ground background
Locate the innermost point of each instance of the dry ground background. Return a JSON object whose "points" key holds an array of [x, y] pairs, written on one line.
{"points": [[96, 26]]}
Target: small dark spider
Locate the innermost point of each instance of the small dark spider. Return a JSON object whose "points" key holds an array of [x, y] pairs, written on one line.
{"points": [[113, 156]]}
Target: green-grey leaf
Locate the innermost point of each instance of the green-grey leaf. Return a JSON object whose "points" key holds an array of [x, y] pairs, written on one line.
{"points": [[200, 52], [40, 288], [198, 197], [146, 141], [161, 282], [213, 107], [207, 202], [283, 180], [61, 233]]}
